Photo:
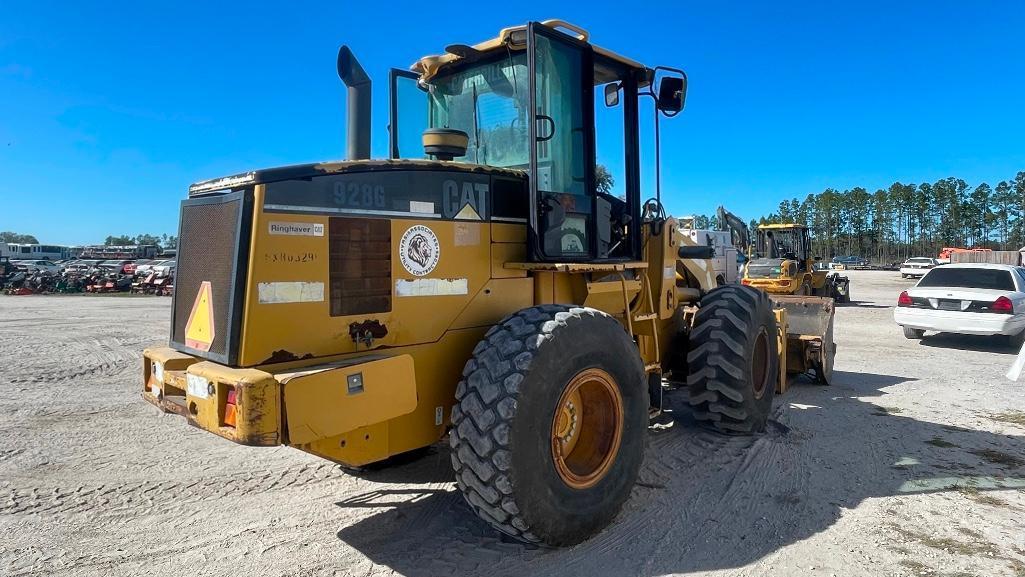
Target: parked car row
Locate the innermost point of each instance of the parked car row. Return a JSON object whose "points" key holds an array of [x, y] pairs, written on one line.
{"points": [[163, 267], [88, 275]]}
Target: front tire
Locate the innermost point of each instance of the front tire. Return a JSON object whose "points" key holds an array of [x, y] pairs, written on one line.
{"points": [[548, 434], [915, 334], [733, 362]]}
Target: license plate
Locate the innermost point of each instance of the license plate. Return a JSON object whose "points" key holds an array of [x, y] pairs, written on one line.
{"points": [[949, 305], [197, 386]]}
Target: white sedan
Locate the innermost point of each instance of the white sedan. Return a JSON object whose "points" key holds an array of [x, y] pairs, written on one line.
{"points": [[969, 299], [917, 266]]}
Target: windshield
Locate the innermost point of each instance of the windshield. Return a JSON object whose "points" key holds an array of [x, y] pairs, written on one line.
{"points": [[779, 243], [489, 103], [764, 268], [979, 278]]}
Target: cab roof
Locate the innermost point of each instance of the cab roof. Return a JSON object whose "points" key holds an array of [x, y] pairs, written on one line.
{"points": [[514, 38], [309, 170]]}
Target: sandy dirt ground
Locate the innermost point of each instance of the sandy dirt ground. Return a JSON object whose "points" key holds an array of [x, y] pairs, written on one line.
{"points": [[910, 464]]}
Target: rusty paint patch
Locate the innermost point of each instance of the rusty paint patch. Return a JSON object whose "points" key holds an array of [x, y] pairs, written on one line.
{"points": [[283, 356]]}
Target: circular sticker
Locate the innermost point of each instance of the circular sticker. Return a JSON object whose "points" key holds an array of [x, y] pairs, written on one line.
{"points": [[419, 250]]}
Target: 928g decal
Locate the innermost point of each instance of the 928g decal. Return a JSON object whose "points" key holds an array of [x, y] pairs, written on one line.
{"points": [[354, 194]]}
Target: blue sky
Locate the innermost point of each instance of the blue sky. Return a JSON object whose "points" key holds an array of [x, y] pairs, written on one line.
{"points": [[108, 113]]}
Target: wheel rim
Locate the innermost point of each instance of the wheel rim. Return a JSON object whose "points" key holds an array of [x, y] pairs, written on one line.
{"points": [[587, 428], [760, 363]]}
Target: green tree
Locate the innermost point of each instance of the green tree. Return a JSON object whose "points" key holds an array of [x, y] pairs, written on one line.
{"points": [[1004, 208], [978, 208], [882, 224], [603, 179], [8, 236], [123, 240], [1019, 210], [702, 222], [922, 207], [147, 239]]}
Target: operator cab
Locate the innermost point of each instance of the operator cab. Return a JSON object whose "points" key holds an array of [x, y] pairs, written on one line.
{"points": [[790, 242], [525, 101]]}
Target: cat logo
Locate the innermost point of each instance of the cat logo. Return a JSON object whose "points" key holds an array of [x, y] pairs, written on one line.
{"points": [[464, 200]]}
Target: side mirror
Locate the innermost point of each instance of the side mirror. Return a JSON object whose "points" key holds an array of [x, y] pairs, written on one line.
{"points": [[672, 93], [612, 94]]}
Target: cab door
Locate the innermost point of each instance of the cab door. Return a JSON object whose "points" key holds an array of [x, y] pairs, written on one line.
{"points": [[562, 189]]}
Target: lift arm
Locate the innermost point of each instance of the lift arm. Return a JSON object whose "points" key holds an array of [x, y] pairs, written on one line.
{"points": [[732, 223]]}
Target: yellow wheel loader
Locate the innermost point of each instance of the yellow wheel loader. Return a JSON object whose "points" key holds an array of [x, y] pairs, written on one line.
{"points": [[782, 265], [475, 284]]}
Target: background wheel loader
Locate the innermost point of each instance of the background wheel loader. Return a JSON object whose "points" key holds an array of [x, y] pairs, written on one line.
{"points": [[480, 287], [782, 265]]}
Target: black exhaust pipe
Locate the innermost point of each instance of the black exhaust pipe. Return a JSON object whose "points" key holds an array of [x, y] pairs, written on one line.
{"points": [[358, 119]]}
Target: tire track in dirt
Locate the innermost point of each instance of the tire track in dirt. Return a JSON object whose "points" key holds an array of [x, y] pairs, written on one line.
{"points": [[107, 357], [142, 497]]}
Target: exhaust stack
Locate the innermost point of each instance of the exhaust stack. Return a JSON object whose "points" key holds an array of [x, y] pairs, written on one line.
{"points": [[358, 117]]}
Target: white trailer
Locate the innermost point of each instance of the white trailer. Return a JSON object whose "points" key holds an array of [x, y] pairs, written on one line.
{"points": [[724, 258]]}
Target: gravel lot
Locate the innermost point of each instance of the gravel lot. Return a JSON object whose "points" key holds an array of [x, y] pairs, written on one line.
{"points": [[912, 463]]}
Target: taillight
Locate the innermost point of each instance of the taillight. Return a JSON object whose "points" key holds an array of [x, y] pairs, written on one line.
{"points": [[904, 300], [1002, 305], [230, 408]]}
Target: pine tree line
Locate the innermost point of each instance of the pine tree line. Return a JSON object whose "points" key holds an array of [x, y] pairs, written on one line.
{"points": [[907, 220]]}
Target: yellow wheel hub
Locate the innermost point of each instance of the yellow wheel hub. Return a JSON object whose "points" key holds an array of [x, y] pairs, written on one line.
{"points": [[587, 428]]}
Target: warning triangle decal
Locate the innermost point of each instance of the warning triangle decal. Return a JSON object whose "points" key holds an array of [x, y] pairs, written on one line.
{"points": [[200, 330], [468, 213]]}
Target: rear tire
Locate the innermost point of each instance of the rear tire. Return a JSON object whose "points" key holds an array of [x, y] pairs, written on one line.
{"points": [[1017, 340], [733, 363], [516, 430], [910, 333]]}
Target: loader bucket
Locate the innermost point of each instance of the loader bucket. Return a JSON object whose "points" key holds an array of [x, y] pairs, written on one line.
{"points": [[809, 331]]}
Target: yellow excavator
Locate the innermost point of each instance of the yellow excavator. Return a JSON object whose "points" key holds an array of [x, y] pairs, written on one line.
{"points": [[476, 284]]}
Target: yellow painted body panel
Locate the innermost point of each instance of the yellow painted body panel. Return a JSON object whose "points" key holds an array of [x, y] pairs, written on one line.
{"points": [[783, 383], [258, 398], [307, 328], [438, 369], [327, 401], [788, 285]]}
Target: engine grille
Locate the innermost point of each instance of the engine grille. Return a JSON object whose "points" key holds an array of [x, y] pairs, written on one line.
{"points": [[360, 266], [213, 241]]}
